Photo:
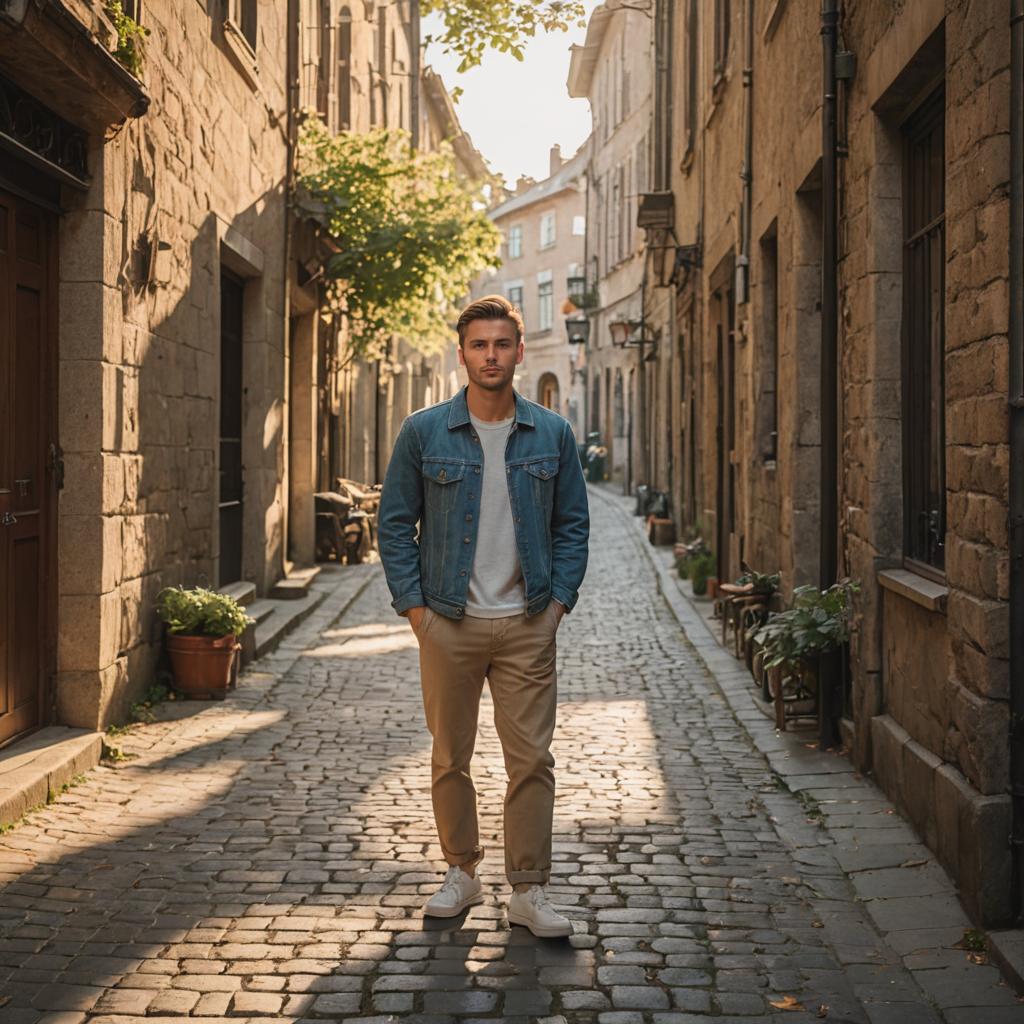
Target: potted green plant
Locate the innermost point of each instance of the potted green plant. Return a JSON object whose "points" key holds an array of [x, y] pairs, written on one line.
{"points": [[793, 641], [203, 627], [701, 570]]}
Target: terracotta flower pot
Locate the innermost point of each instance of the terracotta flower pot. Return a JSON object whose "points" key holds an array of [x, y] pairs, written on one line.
{"points": [[202, 664]]}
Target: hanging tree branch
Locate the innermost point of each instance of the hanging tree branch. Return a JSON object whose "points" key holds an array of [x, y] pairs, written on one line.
{"points": [[473, 26], [411, 235]]}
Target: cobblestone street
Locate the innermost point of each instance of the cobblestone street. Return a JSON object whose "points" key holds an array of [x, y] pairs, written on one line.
{"points": [[267, 857]]}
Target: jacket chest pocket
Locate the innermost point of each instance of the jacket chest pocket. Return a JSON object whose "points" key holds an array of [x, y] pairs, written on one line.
{"points": [[441, 484], [542, 475]]}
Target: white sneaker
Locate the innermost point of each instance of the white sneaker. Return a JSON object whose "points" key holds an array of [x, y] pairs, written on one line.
{"points": [[532, 910], [457, 892]]}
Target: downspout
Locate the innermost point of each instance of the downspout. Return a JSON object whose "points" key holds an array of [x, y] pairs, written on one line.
{"points": [[1016, 484], [746, 173], [829, 669], [414, 78], [291, 145]]}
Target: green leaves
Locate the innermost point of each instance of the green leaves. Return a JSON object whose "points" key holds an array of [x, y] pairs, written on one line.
{"points": [[201, 612], [817, 622], [411, 235], [473, 26], [131, 37]]}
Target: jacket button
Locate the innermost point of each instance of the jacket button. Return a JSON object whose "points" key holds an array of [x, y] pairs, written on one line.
{"points": [[462, 572], [477, 470], [465, 540], [544, 472], [469, 519]]}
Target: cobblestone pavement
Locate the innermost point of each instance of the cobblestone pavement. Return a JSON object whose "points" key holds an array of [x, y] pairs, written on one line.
{"points": [[267, 857]]}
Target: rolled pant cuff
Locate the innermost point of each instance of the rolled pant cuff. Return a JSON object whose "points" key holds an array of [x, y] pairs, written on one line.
{"points": [[463, 860], [532, 877]]}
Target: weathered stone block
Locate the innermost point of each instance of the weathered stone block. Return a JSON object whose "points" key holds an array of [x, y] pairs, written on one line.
{"points": [[90, 632], [986, 864], [919, 768], [90, 554], [888, 739], [93, 484], [982, 747], [980, 621]]}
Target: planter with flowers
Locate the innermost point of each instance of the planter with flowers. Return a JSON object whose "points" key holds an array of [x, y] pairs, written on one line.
{"points": [[203, 628]]}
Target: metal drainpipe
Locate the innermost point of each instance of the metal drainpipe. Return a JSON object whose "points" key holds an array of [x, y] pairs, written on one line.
{"points": [[1016, 483], [828, 555], [747, 174], [414, 78]]}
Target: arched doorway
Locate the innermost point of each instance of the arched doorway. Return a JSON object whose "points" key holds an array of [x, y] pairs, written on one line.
{"points": [[547, 391]]}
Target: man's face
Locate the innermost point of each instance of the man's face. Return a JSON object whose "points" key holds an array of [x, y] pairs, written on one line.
{"points": [[490, 353]]}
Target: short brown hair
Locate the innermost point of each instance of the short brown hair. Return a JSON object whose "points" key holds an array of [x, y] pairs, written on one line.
{"points": [[490, 307]]}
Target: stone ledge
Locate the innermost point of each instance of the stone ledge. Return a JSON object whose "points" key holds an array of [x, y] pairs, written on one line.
{"points": [[39, 765], [927, 593]]}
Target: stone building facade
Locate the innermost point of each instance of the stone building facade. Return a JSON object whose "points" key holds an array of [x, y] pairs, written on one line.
{"points": [[163, 295], [180, 396], [614, 70], [922, 270], [543, 227]]}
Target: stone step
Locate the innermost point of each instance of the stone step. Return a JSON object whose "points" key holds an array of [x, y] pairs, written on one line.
{"points": [[284, 616], [243, 591], [296, 584], [36, 767]]}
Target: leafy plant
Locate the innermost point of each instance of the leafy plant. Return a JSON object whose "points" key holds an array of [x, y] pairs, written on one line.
{"points": [[817, 622], [763, 583], [702, 567], [471, 26], [201, 612], [409, 236], [130, 38]]}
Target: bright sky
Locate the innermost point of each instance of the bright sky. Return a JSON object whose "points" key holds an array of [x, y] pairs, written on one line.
{"points": [[516, 111]]}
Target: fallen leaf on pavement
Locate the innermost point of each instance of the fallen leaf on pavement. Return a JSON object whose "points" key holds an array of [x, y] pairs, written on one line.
{"points": [[822, 1010], [787, 1003]]}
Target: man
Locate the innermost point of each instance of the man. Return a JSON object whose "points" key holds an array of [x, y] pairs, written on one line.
{"points": [[495, 485]]}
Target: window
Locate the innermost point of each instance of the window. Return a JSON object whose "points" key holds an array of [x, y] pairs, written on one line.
{"points": [[515, 296], [545, 301], [579, 225], [344, 70], [515, 241], [243, 14], [323, 78], [924, 254], [768, 355], [723, 16], [547, 230], [382, 62], [690, 103]]}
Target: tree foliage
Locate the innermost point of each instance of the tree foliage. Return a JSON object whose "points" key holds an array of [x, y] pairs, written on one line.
{"points": [[410, 234], [473, 26]]}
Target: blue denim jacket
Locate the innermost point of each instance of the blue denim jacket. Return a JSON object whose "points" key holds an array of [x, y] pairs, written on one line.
{"points": [[434, 479]]}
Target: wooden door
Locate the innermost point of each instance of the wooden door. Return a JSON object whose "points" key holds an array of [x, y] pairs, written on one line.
{"points": [[27, 320]]}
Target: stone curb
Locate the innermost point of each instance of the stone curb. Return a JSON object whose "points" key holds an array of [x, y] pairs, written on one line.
{"points": [[922, 929], [34, 770]]}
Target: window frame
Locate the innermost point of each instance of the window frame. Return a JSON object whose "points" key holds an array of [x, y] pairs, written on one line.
{"points": [[515, 231], [545, 301], [548, 218], [923, 338]]}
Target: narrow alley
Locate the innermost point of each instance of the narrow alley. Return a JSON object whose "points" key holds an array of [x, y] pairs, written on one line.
{"points": [[267, 857]]}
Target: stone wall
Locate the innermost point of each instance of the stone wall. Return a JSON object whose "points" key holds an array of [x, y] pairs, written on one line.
{"points": [[928, 712], [201, 173]]}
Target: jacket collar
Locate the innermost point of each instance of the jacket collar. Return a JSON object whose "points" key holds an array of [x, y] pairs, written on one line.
{"points": [[458, 415]]}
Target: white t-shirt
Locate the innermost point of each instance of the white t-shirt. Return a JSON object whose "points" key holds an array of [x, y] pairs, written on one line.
{"points": [[496, 583]]}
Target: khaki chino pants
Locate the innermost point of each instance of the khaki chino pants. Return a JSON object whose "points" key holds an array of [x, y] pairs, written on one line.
{"points": [[517, 657]]}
